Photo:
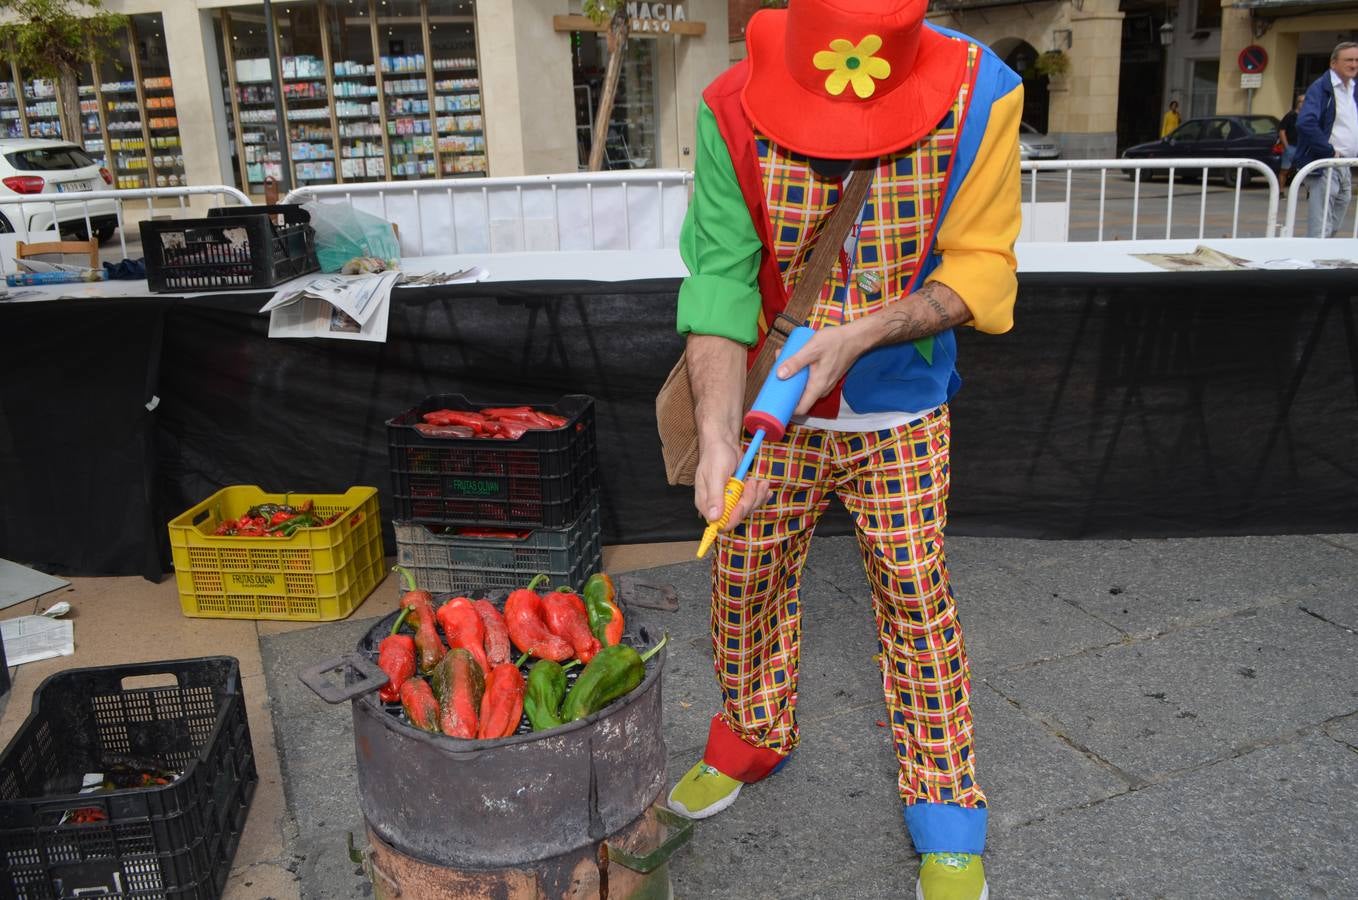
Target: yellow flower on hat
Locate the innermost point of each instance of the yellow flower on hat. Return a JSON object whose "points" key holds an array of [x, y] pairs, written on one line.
{"points": [[849, 64]]}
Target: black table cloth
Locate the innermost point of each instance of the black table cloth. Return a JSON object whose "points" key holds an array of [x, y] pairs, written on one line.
{"points": [[1167, 404]]}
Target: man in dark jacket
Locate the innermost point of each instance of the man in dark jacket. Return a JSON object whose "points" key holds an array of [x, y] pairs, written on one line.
{"points": [[1328, 127]]}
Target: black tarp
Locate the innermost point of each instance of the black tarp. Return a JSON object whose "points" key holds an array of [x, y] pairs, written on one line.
{"points": [[1126, 406]]}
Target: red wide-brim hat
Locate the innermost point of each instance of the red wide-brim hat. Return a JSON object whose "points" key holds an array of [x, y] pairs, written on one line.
{"points": [[849, 79]]}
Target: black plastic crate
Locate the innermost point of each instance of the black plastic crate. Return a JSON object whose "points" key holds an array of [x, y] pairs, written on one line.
{"points": [[170, 841], [544, 479], [234, 247]]}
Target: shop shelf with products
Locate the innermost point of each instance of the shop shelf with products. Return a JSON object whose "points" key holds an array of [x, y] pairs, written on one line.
{"points": [[309, 93], [40, 107], [11, 109], [406, 86], [457, 100]]}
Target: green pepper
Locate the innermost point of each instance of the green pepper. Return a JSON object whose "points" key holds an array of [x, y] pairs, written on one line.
{"points": [[612, 673], [605, 619], [542, 698]]}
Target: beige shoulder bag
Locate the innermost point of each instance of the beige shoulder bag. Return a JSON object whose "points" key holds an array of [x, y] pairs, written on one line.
{"points": [[674, 404]]}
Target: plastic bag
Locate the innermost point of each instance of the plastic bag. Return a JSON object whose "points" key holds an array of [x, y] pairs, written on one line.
{"points": [[343, 233]]}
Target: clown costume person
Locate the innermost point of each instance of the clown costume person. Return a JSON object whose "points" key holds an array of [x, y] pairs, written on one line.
{"points": [[828, 83]]}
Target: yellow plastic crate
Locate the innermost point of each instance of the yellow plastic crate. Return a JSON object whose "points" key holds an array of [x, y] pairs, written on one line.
{"points": [[317, 575]]}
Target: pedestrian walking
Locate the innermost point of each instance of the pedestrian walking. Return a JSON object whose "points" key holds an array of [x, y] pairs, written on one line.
{"points": [[1327, 127], [1171, 120], [1287, 136]]}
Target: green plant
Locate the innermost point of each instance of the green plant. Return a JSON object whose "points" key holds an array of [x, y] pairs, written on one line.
{"points": [[1053, 63], [54, 39]]}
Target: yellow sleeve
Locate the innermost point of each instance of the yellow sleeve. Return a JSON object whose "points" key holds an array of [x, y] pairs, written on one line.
{"points": [[976, 237]]}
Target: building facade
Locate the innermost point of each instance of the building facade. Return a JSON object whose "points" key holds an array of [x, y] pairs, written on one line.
{"points": [[379, 90], [1127, 59]]}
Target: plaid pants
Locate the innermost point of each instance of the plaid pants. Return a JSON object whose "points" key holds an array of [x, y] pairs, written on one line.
{"points": [[894, 483]]}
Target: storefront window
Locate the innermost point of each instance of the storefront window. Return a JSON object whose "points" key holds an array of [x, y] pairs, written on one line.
{"points": [[372, 90], [40, 107], [157, 99], [457, 89], [358, 111], [632, 139], [405, 86], [250, 98], [1203, 100], [11, 123], [306, 95]]}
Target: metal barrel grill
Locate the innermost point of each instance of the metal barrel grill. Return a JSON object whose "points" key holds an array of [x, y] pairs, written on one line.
{"points": [[571, 812]]}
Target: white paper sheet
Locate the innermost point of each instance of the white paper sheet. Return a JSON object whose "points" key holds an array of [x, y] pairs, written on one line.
{"points": [[31, 638]]}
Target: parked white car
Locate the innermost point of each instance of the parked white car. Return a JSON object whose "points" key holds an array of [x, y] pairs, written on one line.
{"points": [[1033, 144], [30, 167]]}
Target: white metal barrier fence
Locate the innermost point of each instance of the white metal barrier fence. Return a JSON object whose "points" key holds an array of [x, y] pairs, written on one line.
{"points": [[641, 209], [1064, 201], [1054, 219], [32, 216], [1299, 182]]}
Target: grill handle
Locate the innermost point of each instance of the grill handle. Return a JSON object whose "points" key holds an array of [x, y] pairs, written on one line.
{"points": [[680, 828], [367, 677]]}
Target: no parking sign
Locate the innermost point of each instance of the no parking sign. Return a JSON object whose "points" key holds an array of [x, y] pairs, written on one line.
{"points": [[1252, 60]]}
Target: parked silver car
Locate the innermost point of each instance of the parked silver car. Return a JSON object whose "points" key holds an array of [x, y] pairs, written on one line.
{"points": [[1033, 144]]}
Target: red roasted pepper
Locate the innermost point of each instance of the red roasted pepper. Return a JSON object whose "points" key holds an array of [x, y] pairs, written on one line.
{"points": [[567, 618], [527, 627], [502, 704], [420, 705], [605, 618], [459, 683], [497, 635], [475, 421], [427, 640], [396, 657], [463, 628]]}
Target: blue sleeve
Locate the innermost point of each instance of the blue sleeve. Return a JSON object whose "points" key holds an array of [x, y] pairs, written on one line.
{"points": [[1308, 120]]}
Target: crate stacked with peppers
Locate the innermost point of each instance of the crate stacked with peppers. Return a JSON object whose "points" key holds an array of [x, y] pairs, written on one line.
{"points": [[486, 496], [458, 667]]}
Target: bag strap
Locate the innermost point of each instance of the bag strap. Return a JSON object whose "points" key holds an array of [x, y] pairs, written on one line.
{"points": [[828, 245]]}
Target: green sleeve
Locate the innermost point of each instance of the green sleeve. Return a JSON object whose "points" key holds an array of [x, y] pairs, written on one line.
{"points": [[719, 246]]}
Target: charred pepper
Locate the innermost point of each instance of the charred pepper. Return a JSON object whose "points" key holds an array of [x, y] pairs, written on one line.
{"points": [[566, 617], [421, 708], [459, 685], [502, 704], [545, 691], [605, 618], [396, 657], [463, 628], [527, 627], [614, 672], [497, 635], [427, 640]]}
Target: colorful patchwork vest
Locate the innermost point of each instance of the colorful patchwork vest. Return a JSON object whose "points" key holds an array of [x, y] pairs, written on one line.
{"points": [[891, 248]]}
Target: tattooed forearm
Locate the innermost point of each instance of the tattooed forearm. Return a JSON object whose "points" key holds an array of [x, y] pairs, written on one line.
{"points": [[930, 293], [930, 310]]}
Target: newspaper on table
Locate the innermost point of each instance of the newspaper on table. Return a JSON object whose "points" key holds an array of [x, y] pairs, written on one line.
{"points": [[1206, 258], [350, 307]]}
